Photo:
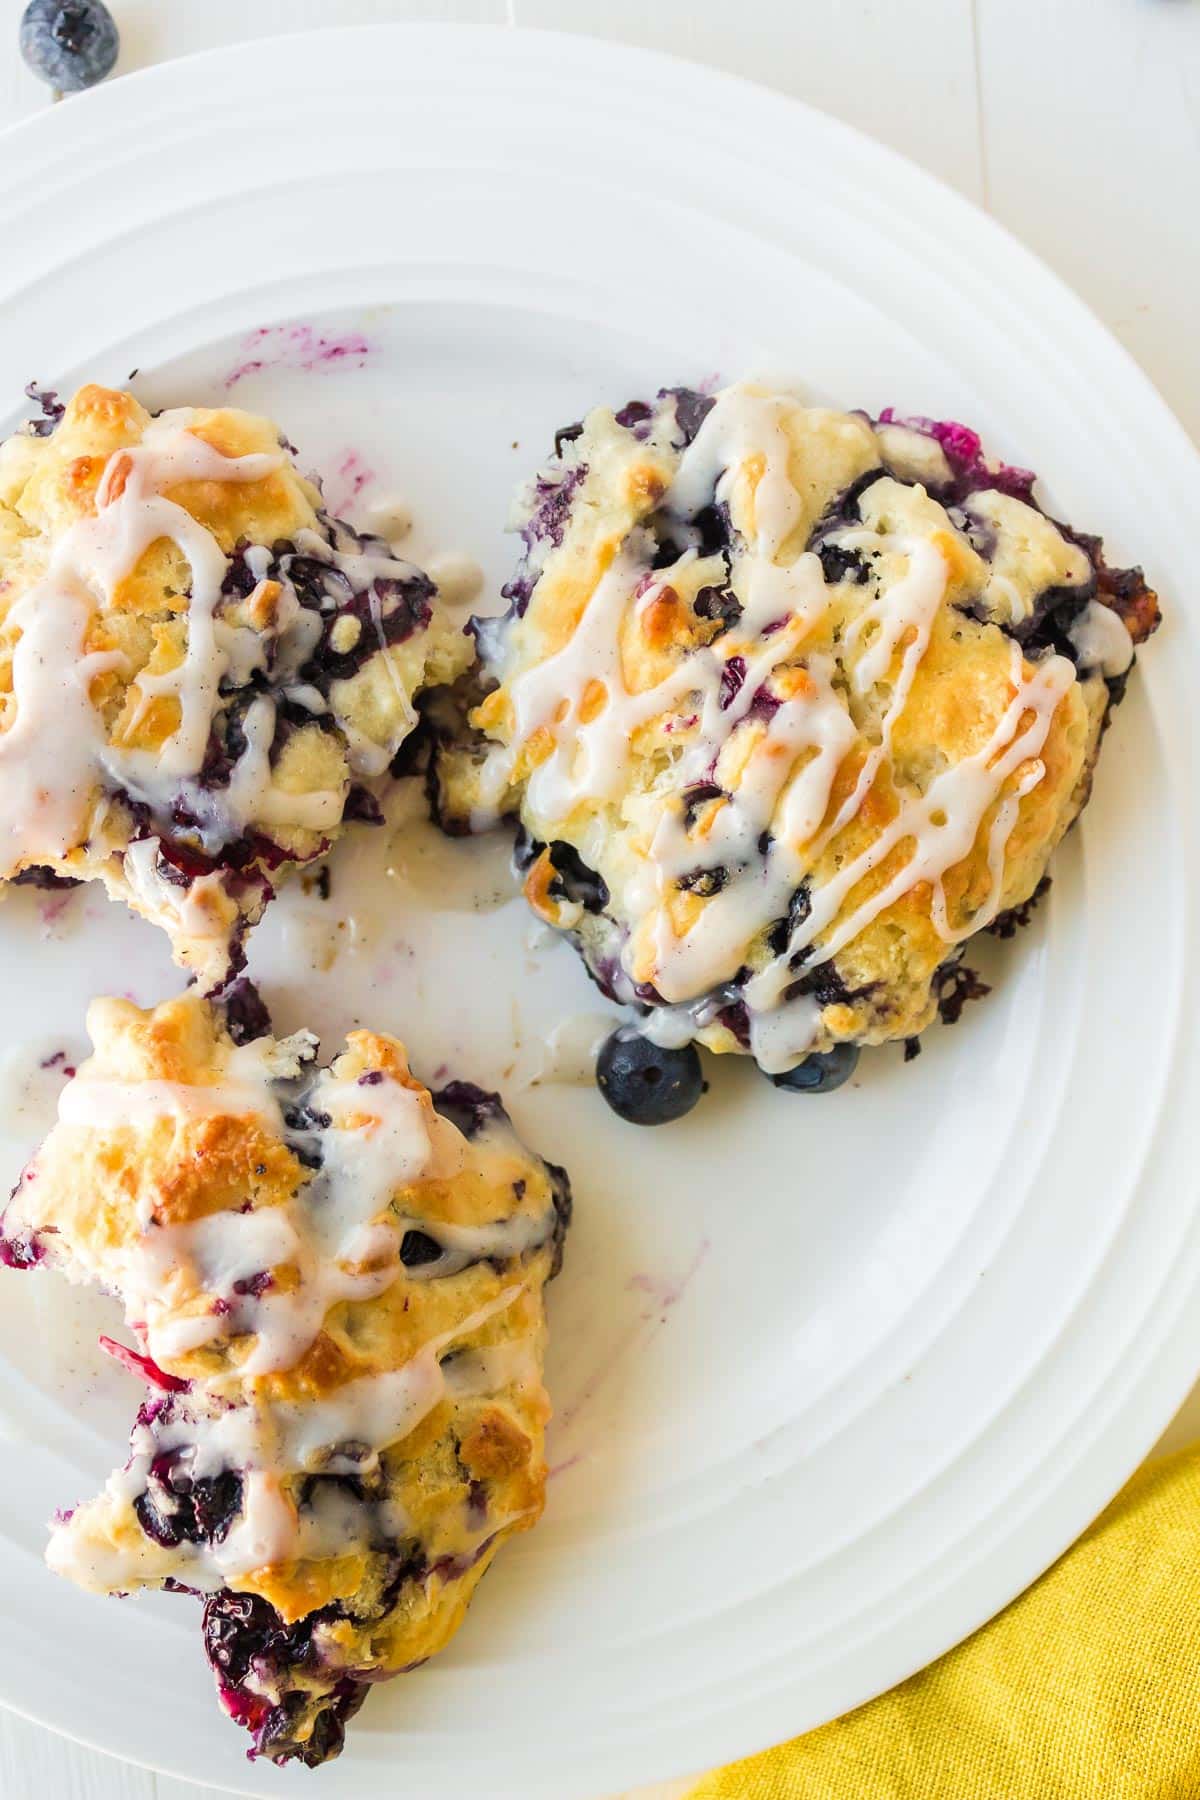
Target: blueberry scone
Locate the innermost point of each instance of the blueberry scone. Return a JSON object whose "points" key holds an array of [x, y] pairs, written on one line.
{"points": [[200, 670], [789, 703], [334, 1279]]}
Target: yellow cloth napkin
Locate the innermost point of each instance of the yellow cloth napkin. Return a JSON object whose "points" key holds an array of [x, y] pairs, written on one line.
{"points": [[1086, 1688]]}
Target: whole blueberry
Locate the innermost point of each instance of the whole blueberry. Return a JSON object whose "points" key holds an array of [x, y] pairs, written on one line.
{"points": [[72, 44], [646, 1085], [821, 1072]]}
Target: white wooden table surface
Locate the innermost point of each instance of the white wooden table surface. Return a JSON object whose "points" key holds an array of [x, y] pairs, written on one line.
{"points": [[1076, 122]]}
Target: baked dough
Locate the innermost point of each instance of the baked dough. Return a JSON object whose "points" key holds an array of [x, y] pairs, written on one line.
{"points": [[789, 703], [199, 668], [334, 1279]]}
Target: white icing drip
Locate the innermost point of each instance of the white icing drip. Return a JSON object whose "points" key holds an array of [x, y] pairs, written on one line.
{"points": [[197, 910], [589, 760], [338, 1238], [362, 566], [1101, 640], [742, 424], [267, 1443], [782, 1037], [112, 1105], [266, 1533], [330, 1237], [252, 794], [941, 824], [48, 754], [513, 1363]]}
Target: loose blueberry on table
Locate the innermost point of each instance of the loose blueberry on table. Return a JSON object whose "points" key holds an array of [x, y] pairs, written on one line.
{"points": [[72, 44]]}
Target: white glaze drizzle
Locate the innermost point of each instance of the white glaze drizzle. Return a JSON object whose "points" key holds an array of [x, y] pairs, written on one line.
{"points": [[56, 749], [1101, 640], [787, 781], [268, 1442], [339, 1237]]}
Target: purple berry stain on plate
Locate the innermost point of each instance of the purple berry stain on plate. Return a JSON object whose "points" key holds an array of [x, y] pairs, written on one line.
{"points": [[297, 346]]}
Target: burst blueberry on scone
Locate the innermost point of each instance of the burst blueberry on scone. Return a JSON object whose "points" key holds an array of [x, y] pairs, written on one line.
{"points": [[788, 703], [201, 672], [334, 1280]]}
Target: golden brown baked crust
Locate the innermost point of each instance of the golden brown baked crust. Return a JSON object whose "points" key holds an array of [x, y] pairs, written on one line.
{"points": [[198, 667], [788, 704], [337, 1297]]}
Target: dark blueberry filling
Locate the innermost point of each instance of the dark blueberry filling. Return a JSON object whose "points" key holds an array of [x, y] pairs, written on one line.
{"points": [[276, 1737], [821, 1072], [732, 676], [575, 882], [704, 882], [953, 986], [567, 434], [560, 1194], [43, 878], [735, 1017], [547, 524], [552, 508], [634, 413], [838, 564], [274, 1678], [526, 850], [764, 705], [245, 1636], [243, 1632], [822, 984], [468, 1107], [779, 935], [52, 410], [418, 1248], [304, 1125], [362, 806], [720, 604], [1009, 922], [697, 796], [714, 529], [691, 410], [175, 1509], [963, 449], [246, 1015], [844, 510], [391, 611]]}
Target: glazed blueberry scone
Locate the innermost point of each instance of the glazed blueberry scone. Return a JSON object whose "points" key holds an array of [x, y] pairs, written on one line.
{"points": [[334, 1279], [789, 703], [199, 668]]}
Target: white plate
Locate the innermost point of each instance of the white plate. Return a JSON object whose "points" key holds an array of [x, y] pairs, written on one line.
{"points": [[835, 1379]]}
